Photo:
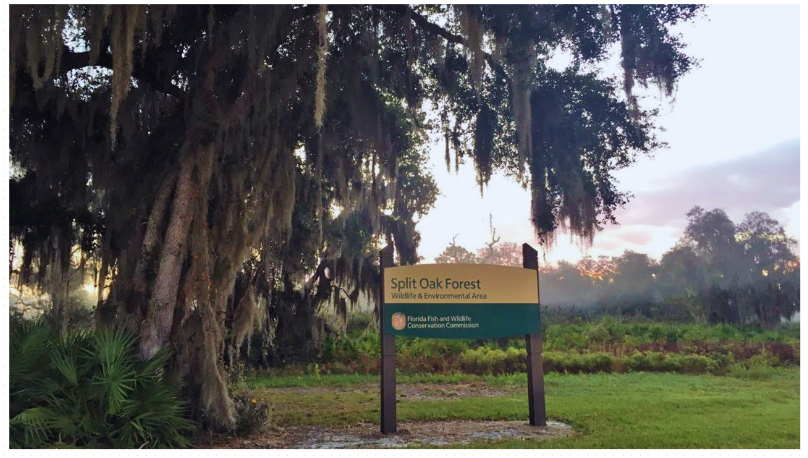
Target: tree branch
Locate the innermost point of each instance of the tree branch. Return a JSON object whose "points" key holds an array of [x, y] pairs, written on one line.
{"points": [[146, 73], [435, 29]]}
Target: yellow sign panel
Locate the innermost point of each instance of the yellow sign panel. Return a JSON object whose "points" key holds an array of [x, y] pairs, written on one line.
{"points": [[460, 284]]}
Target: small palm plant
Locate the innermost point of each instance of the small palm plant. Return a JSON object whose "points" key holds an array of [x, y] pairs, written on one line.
{"points": [[89, 389]]}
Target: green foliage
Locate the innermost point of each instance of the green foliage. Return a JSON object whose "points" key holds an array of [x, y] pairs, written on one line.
{"points": [[597, 334], [719, 272], [359, 322], [486, 360], [574, 363], [604, 345], [456, 254], [252, 414], [652, 362], [89, 389], [758, 367]]}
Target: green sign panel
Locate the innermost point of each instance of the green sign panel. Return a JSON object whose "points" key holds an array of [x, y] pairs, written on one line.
{"points": [[456, 301], [461, 321]]}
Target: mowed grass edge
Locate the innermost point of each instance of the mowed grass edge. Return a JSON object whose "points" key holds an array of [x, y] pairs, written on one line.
{"points": [[633, 410]]}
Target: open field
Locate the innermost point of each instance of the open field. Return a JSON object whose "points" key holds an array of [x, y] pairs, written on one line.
{"points": [[758, 408]]}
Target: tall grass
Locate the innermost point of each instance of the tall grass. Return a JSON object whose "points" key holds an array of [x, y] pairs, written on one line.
{"points": [[603, 345]]}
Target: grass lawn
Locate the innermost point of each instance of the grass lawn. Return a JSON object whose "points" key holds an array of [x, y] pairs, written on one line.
{"points": [[634, 410]]}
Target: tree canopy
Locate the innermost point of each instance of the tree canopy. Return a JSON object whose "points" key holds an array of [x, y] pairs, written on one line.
{"points": [[757, 283], [180, 147]]}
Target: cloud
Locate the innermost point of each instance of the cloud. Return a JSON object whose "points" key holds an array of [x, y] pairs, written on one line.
{"points": [[644, 238], [767, 181], [654, 220], [651, 223], [635, 235]]}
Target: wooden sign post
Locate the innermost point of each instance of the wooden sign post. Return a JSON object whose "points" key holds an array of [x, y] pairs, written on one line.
{"points": [[535, 365], [388, 363], [460, 301]]}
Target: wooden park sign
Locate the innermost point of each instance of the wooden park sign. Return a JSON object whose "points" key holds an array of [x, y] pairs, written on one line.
{"points": [[460, 301]]}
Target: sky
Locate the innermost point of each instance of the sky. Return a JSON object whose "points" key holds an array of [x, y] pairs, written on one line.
{"points": [[733, 143]]}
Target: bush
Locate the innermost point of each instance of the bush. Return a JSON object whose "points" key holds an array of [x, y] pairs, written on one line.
{"points": [[597, 362], [486, 360], [573, 346], [762, 359], [652, 362], [89, 389], [721, 360], [359, 322], [784, 353], [251, 414], [758, 367], [574, 363], [697, 364], [597, 334]]}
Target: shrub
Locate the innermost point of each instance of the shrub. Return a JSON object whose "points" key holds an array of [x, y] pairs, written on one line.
{"points": [[721, 360], [652, 362], [697, 364], [251, 414], [486, 360], [758, 367], [553, 361], [89, 389], [359, 322], [650, 346], [762, 359], [575, 363], [597, 334], [597, 362], [785, 353]]}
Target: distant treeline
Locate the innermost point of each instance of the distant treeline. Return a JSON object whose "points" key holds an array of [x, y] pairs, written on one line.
{"points": [[719, 272]]}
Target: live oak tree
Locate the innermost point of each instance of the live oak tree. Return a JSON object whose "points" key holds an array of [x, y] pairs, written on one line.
{"points": [[681, 271], [771, 288], [172, 142], [456, 254], [752, 273], [297, 277], [496, 252]]}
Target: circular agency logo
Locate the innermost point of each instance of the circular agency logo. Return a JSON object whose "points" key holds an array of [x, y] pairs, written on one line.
{"points": [[399, 321]]}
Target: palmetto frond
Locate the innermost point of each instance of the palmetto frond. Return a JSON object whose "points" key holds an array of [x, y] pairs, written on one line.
{"points": [[88, 389]]}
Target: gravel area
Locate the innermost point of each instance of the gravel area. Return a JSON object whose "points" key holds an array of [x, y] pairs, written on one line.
{"points": [[366, 435]]}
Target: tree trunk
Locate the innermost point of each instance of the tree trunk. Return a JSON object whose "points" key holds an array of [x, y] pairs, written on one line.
{"points": [[59, 314], [104, 314], [153, 232], [133, 304], [58, 279], [10, 260], [156, 328]]}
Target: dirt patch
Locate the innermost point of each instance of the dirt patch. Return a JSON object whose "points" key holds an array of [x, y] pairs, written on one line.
{"points": [[433, 392], [367, 435], [412, 391]]}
